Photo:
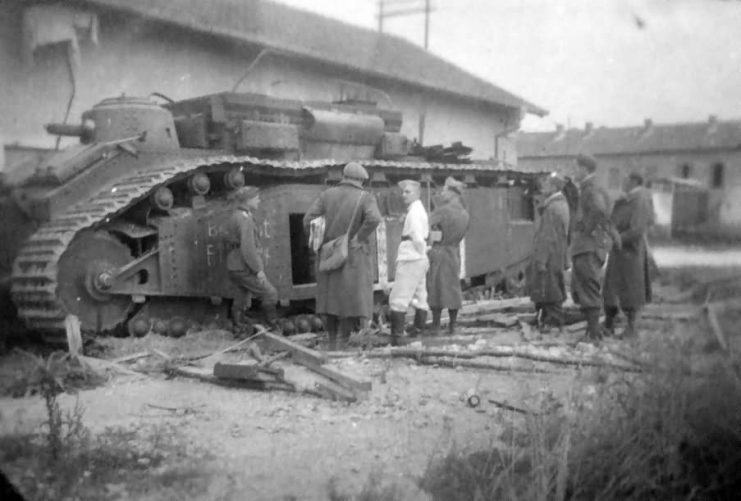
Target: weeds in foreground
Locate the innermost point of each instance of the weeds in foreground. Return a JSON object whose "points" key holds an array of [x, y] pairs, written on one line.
{"points": [[65, 460], [663, 435], [374, 489]]}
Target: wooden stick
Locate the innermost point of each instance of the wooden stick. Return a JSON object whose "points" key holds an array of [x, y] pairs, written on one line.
{"points": [[506, 406], [471, 364], [129, 358], [503, 353]]}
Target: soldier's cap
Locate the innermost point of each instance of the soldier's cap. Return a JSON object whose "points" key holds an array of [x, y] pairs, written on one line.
{"points": [[409, 182], [556, 180], [354, 170], [246, 193], [587, 161], [454, 185]]}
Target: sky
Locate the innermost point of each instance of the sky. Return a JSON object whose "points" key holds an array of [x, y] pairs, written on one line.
{"points": [[610, 62]]}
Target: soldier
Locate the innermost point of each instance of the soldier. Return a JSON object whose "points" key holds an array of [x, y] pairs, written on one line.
{"points": [[345, 296], [571, 192], [449, 223], [627, 284], [546, 283], [590, 242], [244, 260], [411, 265]]}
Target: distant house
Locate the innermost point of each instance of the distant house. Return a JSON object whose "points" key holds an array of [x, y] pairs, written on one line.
{"points": [[73, 53], [707, 152]]}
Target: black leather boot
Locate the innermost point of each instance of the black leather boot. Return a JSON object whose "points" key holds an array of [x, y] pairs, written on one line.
{"points": [[630, 320], [610, 314], [452, 321], [594, 329], [420, 321], [346, 326], [436, 314], [271, 315], [397, 326], [331, 324]]}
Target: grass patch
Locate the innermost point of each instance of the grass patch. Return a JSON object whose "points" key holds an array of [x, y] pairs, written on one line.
{"points": [[64, 460], [117, 462], [663, 435], [374, 489]]}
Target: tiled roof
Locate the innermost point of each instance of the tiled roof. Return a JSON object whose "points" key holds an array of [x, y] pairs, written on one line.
{"points": [[311, 35], [649, 138]]}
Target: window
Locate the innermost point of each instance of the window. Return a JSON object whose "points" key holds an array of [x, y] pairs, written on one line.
{"points": [[718, 175], [685, 171], [613, 181]]}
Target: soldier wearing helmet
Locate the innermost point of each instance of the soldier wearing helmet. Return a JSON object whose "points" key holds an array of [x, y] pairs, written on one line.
{"points": [[344, 296], [244, 260]]}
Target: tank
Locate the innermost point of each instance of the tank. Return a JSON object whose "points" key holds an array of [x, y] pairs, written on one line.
{"points": [[126, 230]]}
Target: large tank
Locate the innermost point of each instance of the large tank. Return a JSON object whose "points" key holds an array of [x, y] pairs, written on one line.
{"points": [[126, 230]]}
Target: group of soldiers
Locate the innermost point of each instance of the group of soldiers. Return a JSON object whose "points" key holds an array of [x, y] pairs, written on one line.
{"points": [[576, 229], [427, 260]]}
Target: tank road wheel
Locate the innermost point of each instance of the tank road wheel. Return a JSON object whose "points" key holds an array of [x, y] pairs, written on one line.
{"points": [[82, 280]]}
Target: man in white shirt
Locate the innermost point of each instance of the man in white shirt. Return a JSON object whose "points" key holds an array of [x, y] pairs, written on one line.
{"points": [[410, 280]]}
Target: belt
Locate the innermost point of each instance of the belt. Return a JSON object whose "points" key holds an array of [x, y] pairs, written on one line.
{"points": [[232, 245], [406, 238]]}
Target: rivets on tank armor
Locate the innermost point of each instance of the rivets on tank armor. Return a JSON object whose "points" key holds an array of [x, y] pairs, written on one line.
{"points": [[199, 183], [163, 198], [234, 179]]}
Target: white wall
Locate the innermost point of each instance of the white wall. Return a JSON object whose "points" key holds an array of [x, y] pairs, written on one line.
{"points": [[137, 59]]}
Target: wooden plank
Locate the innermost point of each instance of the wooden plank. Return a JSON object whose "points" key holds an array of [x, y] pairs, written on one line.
{"points": [[261, 382], [711, 312], [349, 382], [518, 304], [74, 336], [300, 354], [235, 371], [130, 358], [335, 391]]}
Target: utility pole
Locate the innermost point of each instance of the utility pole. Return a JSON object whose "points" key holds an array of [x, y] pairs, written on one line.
{"points": [[405, 8]]}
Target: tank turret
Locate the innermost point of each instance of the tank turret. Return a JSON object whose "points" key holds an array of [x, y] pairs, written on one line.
{"points": [[124, 118]]}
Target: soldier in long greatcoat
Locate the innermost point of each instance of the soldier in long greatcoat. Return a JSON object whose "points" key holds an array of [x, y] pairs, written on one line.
{"points": [[592, 238], [449, 223], [345, 295], [545, 278], [627, 284]]}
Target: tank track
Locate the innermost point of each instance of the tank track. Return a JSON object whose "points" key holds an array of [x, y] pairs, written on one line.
{"points": [[34, 276]]}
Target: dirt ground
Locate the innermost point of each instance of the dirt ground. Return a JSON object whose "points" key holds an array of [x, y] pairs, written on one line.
{"points": [[244, 444]]}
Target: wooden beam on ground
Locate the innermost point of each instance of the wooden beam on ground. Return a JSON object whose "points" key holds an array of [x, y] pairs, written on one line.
{"points": [[130, 358], [334, 391], [235, 371], [207, 376], [711, 310], [472, 364], [515, 304], [300, 354]]}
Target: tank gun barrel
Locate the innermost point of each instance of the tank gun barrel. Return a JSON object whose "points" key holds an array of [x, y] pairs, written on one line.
{"points": [[84, 131]]}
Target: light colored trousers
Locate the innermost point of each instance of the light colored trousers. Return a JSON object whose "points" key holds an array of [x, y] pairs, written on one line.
{"points": [[410, 285]]}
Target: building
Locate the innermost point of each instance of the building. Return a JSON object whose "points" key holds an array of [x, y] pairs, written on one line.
{"points": [[58, 58], [706, 152]]}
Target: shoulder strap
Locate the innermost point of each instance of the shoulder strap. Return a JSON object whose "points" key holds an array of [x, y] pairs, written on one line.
{"points": [[354, 212]]}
